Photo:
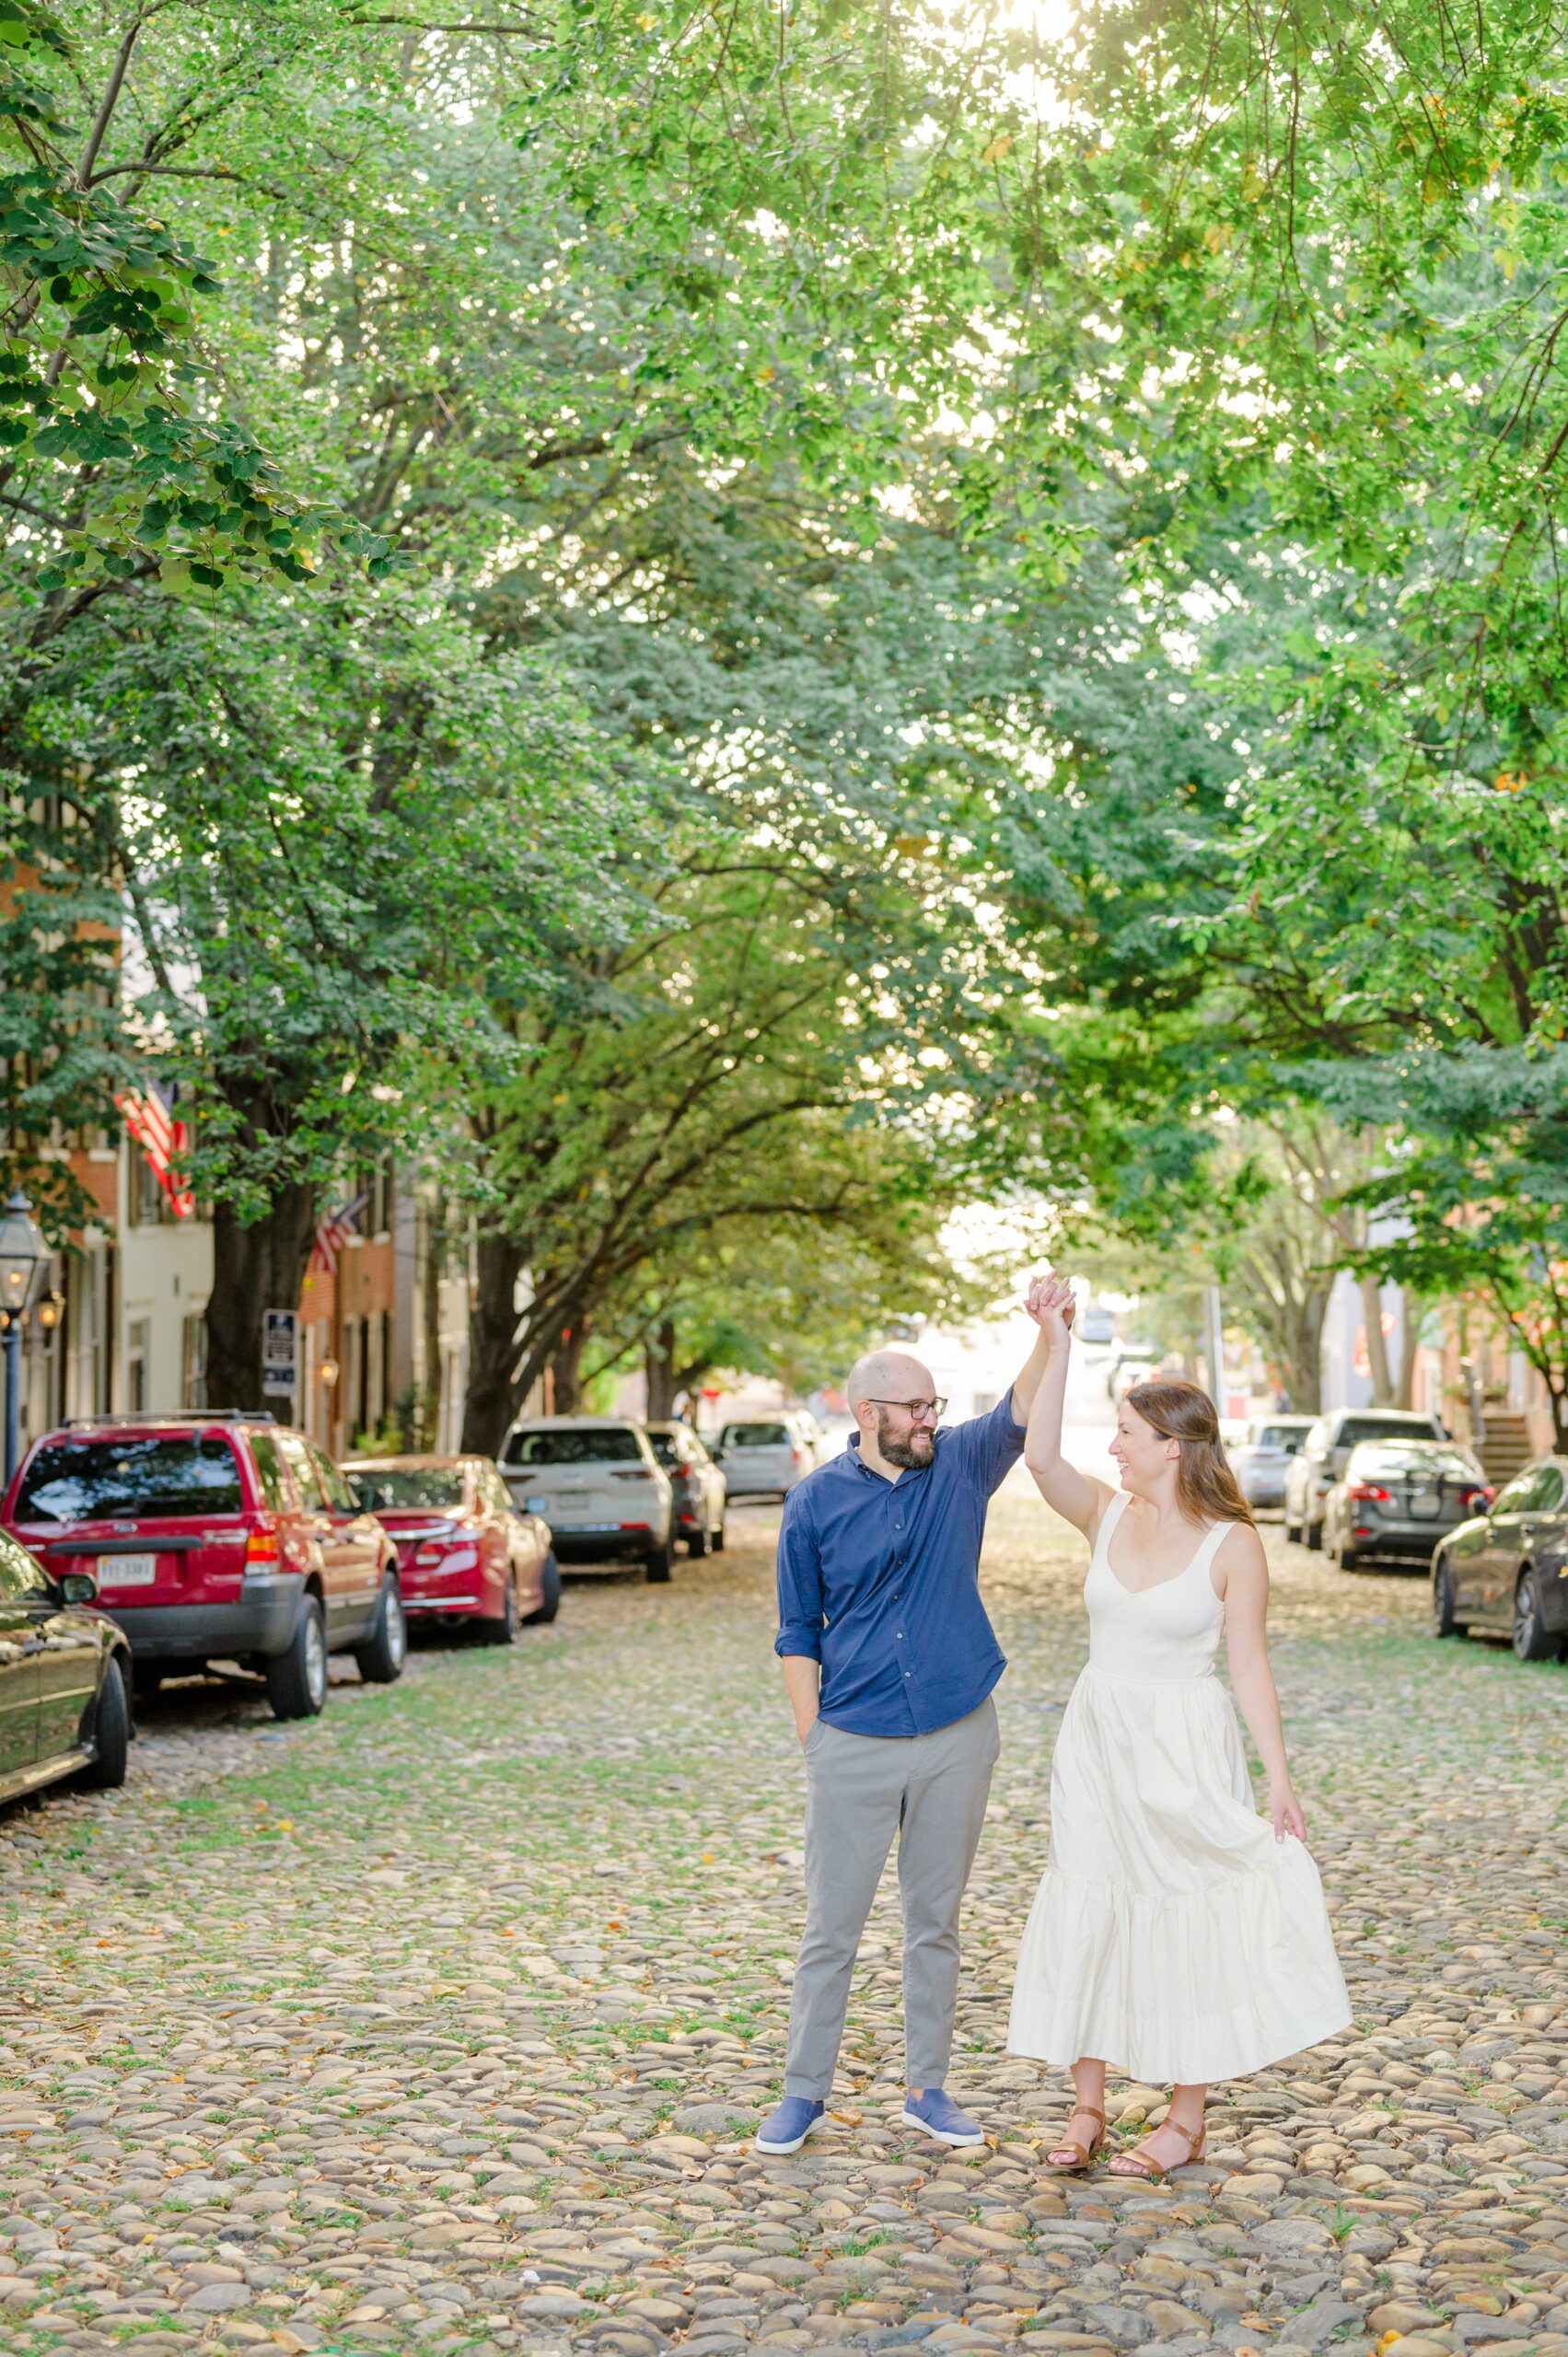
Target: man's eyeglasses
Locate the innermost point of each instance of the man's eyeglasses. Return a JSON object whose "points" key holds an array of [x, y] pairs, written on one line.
{"points": [[918, 1409]]}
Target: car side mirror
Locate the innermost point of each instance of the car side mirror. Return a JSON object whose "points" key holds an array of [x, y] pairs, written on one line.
{"points": [[79, 1587]]}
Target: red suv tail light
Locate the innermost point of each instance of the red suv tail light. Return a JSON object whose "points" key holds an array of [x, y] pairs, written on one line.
{"points": [[1366, 1491], [1481, 1495], [262, 1541]]}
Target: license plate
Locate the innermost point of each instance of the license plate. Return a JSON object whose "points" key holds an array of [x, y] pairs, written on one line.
{"points": [[1426, 1502], [127, 1571], [594, 1529]]}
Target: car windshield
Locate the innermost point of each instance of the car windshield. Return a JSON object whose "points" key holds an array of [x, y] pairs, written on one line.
{"points": [[608, 1444], [378, 1486], [1286, 1437], [1410, 1457], [99, 1480], [755, 1436], [1359, 1428]]}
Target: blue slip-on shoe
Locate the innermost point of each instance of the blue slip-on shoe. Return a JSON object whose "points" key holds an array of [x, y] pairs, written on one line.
{"points": [[939, 2115], [787, 2128]]}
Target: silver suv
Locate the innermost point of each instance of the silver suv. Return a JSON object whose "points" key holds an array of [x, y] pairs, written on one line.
{"points": [[599, 1485], [764, 1457], [1325, 1453]]}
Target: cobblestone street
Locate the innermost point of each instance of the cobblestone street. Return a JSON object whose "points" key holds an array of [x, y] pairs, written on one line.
{"points": [[441, 2023]]}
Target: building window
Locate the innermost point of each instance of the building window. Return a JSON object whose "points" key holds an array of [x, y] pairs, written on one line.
{"points": [[138, 1350], [193, 1353], [146, 1204], [362, 1372], [378, 1185]]}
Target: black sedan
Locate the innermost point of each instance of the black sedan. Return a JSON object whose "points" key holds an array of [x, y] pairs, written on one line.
{"points": [[64, 1679], [1507, 1573], [1400, 1497]]}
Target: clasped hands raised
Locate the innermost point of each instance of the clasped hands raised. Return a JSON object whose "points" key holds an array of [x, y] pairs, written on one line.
{"points": [[1051, 1302]]}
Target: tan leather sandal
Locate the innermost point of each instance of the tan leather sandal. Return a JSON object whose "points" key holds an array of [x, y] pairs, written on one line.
{"points": [[1085, 2152], [1138, 2164]]}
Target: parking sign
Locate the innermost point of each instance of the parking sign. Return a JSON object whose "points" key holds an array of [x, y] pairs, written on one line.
{"points": [[279, 1352]]}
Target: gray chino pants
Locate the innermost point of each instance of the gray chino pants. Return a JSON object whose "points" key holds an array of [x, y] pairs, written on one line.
{"points": [[860, 1790]]}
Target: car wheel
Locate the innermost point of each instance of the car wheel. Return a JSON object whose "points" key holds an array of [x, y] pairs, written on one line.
{"points": [[297, 1681], [1293, 1531], [1443, 1621], [1314, 1536], [1532, 1640], [719, 1537], [503, 1628], [551, 1605], [381, 1658], [657, 1563], [1343, 1557], [112, 1732], [699, 1543]]}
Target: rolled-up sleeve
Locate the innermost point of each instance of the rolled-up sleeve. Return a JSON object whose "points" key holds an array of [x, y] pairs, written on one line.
{"points": [[991, 1443], [800, 1583]]}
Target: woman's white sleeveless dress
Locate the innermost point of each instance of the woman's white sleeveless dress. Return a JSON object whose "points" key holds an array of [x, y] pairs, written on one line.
{"points": [[1172, 1935]]}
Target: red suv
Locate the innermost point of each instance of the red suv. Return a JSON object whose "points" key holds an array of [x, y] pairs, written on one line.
{"points": [[215, 1538]]}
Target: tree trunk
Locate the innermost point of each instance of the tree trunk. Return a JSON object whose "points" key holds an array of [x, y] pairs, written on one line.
{"points": [[566, 1371], [254, 1269], [1302, 1363], [432, 1270], [1377, 1345], [659, 1367], [1410, 1343], [490, 1399], [1284, 1307]]}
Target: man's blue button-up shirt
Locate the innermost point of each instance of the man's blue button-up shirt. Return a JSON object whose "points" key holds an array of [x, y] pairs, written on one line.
{"points": [[879, 1581]]}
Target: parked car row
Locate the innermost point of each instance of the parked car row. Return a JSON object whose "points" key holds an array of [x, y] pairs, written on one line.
{"points": [[1380, 1485], [1323, 1453], [134, 1549]]}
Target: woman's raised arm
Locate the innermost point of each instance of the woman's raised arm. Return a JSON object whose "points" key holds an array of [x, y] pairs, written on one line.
{"points": [[1077, 1497]]}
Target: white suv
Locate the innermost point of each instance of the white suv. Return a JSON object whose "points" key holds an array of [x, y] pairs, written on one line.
{"points": [[599, 1485]]}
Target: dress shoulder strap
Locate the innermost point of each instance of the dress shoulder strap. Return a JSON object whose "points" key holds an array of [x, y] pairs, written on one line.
{"points": [[1204, 1560], [1108, 1523]]}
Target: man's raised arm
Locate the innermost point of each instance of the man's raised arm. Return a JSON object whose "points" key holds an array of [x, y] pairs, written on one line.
{"points": [[1026, 1383]]}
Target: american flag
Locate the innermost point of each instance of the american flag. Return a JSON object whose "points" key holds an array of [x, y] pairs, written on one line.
{"points": [[334, 1232], [149, 1114]]}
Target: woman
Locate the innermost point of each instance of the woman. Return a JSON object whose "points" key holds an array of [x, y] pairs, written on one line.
{"points": [[1176, 1934]]}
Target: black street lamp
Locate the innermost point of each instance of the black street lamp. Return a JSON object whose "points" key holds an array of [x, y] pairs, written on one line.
{"points": [[24, 1261]]}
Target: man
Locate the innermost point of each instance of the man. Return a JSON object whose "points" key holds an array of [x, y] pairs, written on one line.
{"points": [[890, 1659]]}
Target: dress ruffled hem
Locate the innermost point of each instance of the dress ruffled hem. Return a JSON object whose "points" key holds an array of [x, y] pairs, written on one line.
{"points": [[1179, 1987]]}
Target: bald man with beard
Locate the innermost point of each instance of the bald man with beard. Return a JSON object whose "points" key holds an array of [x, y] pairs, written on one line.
{"points": [[889, 1661]]}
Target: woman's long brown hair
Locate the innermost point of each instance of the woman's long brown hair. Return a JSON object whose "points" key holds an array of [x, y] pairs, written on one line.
{"points": [[1207, 1489]]}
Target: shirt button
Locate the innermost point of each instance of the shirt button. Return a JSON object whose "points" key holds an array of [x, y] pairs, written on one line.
{"points": [[908, 1672]]}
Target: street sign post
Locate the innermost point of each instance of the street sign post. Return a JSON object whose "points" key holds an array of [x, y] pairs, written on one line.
{"points": [[279, 1352]]}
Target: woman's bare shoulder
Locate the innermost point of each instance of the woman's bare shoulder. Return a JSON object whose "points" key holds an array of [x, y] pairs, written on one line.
{"points": [[1241, 1556]]}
